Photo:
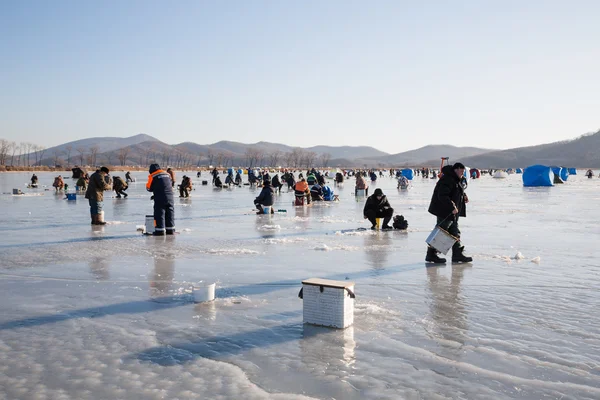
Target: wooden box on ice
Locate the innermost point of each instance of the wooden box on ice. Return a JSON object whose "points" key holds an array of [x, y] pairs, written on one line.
{"points": [[328, 303]]}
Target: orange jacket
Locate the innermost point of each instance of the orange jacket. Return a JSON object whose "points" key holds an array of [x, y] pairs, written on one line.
{"points": [[151, 176], [301, 186]]}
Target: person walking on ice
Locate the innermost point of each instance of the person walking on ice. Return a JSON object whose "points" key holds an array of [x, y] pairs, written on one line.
{"points": [[448, 203]]}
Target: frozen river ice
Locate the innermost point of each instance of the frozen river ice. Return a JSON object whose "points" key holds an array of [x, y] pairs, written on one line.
{"points": [[102, 312]]}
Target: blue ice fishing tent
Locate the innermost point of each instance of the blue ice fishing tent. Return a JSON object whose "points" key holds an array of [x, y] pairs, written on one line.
{"points": [[538, 175], [408, 173], [564, 174], [572, 171], [519, 171]]}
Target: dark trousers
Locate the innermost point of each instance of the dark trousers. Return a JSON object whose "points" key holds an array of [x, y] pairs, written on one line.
{"points": [[164, 217], [120, 192], [184, 192], [387, 215], [450, 225]]}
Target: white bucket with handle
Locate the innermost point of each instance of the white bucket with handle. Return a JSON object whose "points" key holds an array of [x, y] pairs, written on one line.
{"points": [[441, 240]]}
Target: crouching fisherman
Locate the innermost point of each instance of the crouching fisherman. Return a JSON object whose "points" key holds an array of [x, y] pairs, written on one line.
{"points": [[95, 194], [377, 206], [265, 198], [120, 186], [159, 183]]}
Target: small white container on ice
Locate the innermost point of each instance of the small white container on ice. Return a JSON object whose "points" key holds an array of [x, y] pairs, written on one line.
{"points": [[204, 292], [327, 302]]}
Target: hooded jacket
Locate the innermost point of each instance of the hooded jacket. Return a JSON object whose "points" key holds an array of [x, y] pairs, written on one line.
{"points": [[265, 197], [447, 193], [159, 183], [119, 184], [375, 204], [96, 187]]}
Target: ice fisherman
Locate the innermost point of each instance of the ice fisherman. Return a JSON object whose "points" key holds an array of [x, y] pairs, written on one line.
{"points": [[361, 184], [448, 203], [377, 206], [159, 183], [58, 183], [301, 191], [185, 187], [120, 186], [95, 194], [265, 198]]}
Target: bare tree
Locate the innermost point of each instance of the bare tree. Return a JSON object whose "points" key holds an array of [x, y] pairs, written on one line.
{"points": [[325, 158], [57, 154], [35, 153], [309, 158], [22, 150], [220, 156], [41, 151], [81, 151], [274, 158], [253, 156], [123, 155], [200, 154], [210, 154], [94, 153], [68, 150], [28, 146], [4, 149], [13, 148]]}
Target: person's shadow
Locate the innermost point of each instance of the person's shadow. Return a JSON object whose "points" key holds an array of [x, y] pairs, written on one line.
{"points": [[448, 310]]}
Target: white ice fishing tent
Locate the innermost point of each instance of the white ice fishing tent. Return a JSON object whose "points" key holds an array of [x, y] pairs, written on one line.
{"points": [[500, 175]]}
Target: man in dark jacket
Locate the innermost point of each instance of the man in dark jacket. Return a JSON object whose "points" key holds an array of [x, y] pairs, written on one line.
{"points": [[265, 198], [316, 192], [448, 203], [95, 194], [159, 183], [119, 186], [276, 183], [186, 186], [377, 206]]}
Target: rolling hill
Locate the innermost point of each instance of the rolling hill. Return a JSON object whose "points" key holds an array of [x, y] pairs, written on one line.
{"points": [[582, 152]]}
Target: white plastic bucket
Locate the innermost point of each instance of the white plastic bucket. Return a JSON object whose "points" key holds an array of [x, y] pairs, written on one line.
{"points": [[266, 209], [101, 216], [149, 224], [360, 193], [441, 240], [204, 292]]}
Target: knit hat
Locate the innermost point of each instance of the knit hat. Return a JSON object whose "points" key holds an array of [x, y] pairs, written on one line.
{"points": [[104, 169], [154, 168], [458, 166], [378, 192]]}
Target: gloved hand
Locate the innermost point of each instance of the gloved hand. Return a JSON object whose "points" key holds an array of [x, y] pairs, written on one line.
{"points": [[152, 198]]}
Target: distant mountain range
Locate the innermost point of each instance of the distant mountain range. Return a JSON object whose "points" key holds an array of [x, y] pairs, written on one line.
{"points": [[143, 149]]}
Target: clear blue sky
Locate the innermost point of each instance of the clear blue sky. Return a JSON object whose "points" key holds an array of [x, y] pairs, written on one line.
{"points": [[395, 75]]}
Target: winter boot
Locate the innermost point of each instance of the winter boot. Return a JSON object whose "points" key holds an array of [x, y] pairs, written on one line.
{"points": [[457, 254], [98, 220], [93, 219], [158, 233], [432, 256]]}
